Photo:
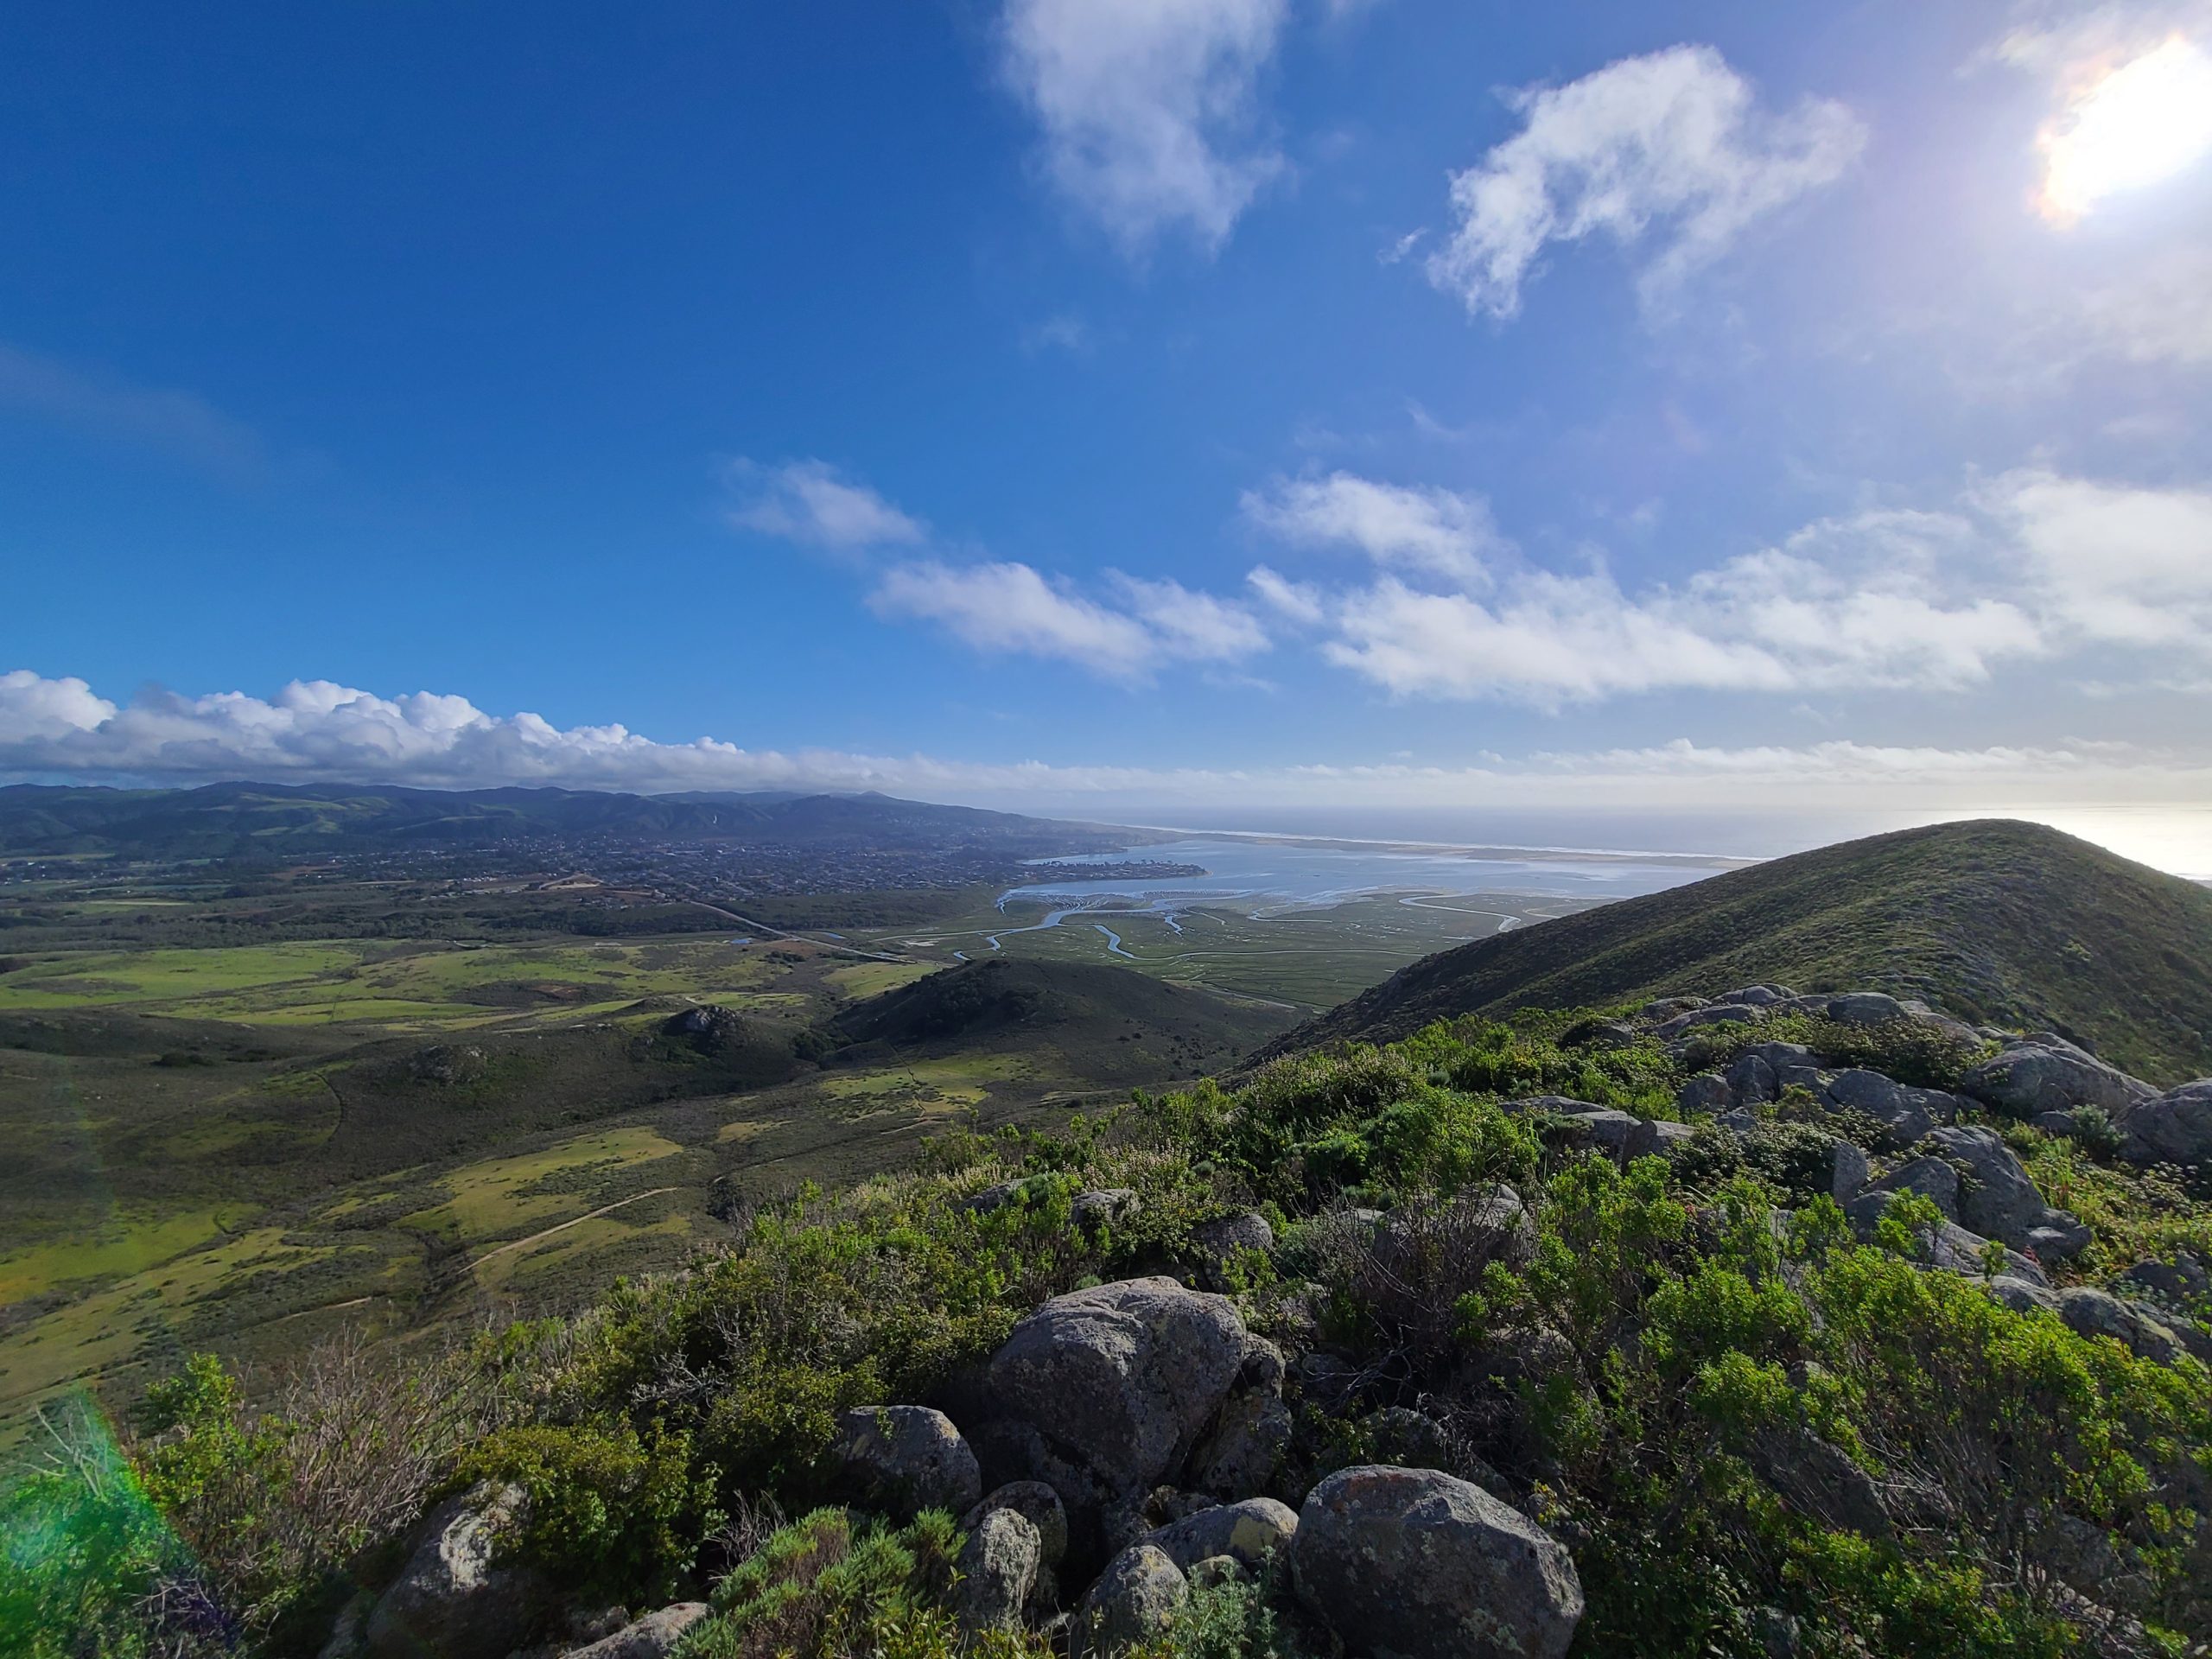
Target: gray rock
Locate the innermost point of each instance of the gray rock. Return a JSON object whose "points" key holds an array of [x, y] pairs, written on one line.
{"points": [[1739, 1122], [1722, 1013], [1247, 1446], [452, 1599], [1703, 1094], [1752, 1080], [1905, 1113], [2020, 1295], [1121, 1377], [1105, 1206], [1865, 1009], [1949, 1247], [1404, 1439], [1215, 1571], [1619, 1133], [2172, 1128], [2183, 1280], [1847, 1171], [998, 1566], [1221, 1242], [1818, 1478], [2091, 1313], [1667, 1008], [902, 1459], [2054, 1123], [1557, 1105], [1414, 1564], [1668, 1138], [1035, 1502], [1931, 1177], [1757, 996], [2031, 1077], [1133, 1600], [1250, 1530], [2002, 1201], [653, 1636]]}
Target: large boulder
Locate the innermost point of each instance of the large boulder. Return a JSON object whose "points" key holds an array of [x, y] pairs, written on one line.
{"points": [[998, 1566], [1222, 1241], [2172, 1128], [1904, 1113], [654, 1636], [2001, 1201], [1414, 1564], [1817, 1478], [1037, 1503], [902, 1459], [1131, 1602], [454, 1598], [1122, 1379], [2050, 1075], [1621, 1136], [2092, 1312], [1250, 1531], [1247, 1447]]}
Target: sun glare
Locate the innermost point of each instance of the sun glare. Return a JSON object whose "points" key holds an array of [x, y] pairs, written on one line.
{"points": [[2144, 121]]}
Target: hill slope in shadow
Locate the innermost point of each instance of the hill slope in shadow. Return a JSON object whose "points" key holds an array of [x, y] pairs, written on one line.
{"points": [[1994, 920]]}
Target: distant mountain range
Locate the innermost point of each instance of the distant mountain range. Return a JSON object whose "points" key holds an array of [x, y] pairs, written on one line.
{"points": [[2008, 923], [285, 820]]}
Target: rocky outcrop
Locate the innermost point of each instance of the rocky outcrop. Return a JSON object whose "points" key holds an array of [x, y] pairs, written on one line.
{"points": [[1250, 1531], [998, 1566], [2045, 1073], [902, 1459], [1414, 1564], [1120, 1381], [2170, 1129], [1133, 1600], [454, 1598], [1220, 1243], [1999, 1200], [654, 1636], [2091, 1313]]}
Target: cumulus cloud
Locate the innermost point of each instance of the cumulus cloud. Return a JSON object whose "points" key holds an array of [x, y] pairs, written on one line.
{"points": [[1438, 531], [315, 731], [809, 502], [1147, 108], [1194, 625], [2028, 565], [1667, 150]]}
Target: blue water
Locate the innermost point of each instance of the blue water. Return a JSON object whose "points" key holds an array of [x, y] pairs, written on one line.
{"points": [[1294, 873]]}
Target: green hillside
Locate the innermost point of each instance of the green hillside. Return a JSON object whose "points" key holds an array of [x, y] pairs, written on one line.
{"points": [[1997, 921]]}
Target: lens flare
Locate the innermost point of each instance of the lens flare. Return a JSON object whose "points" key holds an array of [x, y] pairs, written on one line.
{"points": [[2144, 121]]}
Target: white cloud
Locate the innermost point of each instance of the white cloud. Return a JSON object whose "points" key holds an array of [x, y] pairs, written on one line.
{"points": [[1666, 148], [179, 423], [2029, 565], [1147, 108], [316, 731], [1439, 531], [1194, 625], [2158, 310], [1297, 601], [2113, 563], [1010, 608], [807, 501]]}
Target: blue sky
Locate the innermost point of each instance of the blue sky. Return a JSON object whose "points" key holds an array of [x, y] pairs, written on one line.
{"points": [[1229, 403]]}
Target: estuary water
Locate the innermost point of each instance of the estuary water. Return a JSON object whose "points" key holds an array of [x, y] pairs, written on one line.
{"points": [[1292, 871]]}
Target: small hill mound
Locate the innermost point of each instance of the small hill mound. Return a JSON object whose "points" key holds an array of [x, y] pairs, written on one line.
{"points": [[1998, 921], [1109, 1022]]}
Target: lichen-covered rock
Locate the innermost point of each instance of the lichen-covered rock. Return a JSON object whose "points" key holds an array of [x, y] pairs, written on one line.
{"points": [[1752, 1080], [2001, 1201], [902, 1459], [2172, 1128], [1758, 996], [2050, 1075], [1037, 1503], [1905, 1114], [1221, 1242], [1621, 1134], [1133, 1600], [1105, 1206], [1122, 1378], [1250, 1530], [2092, 1312], [1719, 1013], [653, 1636], [1414, 1564], [1865, 1009], [1708, 1092], [1247, 1446], [1931, 1177], [998, 1566], [454, 1598]]}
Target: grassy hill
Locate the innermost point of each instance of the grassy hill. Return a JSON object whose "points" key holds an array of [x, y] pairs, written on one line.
{"points": [[1997, 921], [1108, 1025]]}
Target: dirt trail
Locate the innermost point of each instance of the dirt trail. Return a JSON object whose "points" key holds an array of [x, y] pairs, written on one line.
{"points": [[562, 1227]]}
